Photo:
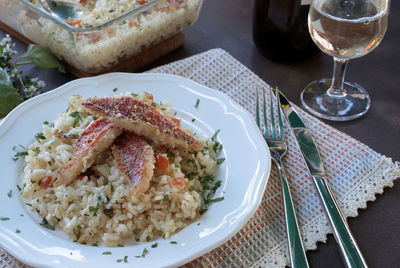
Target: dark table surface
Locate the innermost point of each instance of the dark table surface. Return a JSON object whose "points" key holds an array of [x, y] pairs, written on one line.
{"points": [[227, 24]]}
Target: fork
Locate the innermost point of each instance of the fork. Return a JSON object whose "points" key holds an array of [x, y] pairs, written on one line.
{"points": [[277, 145]]}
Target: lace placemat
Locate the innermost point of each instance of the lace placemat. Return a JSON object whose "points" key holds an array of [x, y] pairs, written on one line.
{"points": [[355, 172]]}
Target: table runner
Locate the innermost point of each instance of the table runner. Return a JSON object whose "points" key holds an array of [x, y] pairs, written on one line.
{"points": [[355, 172]]}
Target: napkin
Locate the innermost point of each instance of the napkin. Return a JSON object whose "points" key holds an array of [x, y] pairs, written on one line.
{"points": [[355, 172]]}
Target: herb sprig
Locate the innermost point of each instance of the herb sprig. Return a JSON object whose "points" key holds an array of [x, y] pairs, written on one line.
{"points": [[14, 87]]}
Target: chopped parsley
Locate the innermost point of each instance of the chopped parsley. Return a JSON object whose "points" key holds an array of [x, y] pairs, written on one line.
{"points": [[21, 188], [144, 253], [77, 117], [107, 253], [166, 197], [40, 136], [45, 224], [4, 218], [220, 161], [119, 260], [147, 238], [197, 103], [20, 151], [36, 151], [174, 242], [18, 231], [126, 259], [9, 193], [214, 136], [154, 245], [48, 124], [193, 119], [115, 89], [161, 234], [95, 244]]}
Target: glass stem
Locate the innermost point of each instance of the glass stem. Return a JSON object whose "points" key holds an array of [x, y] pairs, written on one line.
{"points": [[339, 70]]}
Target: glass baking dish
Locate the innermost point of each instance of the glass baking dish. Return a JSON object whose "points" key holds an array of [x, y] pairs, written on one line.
{"points": [[95, 49]]}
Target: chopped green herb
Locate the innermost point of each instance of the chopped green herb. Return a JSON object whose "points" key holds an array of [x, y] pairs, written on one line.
{"points": [[198, 224], [4, 218], [20, 151], [166, 197], [193, 120], [161, 234], [220, 161], [145, 252], [133, 232], [191, 175], [119, 260], [40, 137], [21, 189], [214, 136], [95, 244], [209, 201], [22, 215], [45, 224], [36, 151], [154, 245], [147, 238], [77, 117], [18, 231], [115, 89], [137, 239], [197, 103], [107, 253], [174, 242], [9, 193], [48, 124], [126, 259]]}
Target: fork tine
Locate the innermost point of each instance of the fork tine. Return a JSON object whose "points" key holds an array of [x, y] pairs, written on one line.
{"points": [[271, 105], [257, 110], [265, 115], [278, 107]]}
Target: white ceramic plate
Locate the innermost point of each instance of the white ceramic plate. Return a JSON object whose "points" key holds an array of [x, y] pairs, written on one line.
{"points": [[244, 173]]}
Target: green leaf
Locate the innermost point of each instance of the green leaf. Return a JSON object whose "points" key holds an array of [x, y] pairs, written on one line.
{"points": [[166, 197], [41, 57], [9, 96], [107, 253], [45, 224]]}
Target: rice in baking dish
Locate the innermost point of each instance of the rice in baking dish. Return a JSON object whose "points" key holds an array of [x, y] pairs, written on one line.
{"points": [[100, 49], [98, 206]]}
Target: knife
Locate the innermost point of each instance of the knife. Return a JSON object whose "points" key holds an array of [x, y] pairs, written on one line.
{"points": [[348, 245]]}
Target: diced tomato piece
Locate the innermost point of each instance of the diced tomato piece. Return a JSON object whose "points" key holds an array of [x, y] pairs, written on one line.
{"points": [[132, 23], [162, 148], [82, 2], [46, 182], [74, 22], [141, 2], [162, 162], [179, 181], [175, 4]]}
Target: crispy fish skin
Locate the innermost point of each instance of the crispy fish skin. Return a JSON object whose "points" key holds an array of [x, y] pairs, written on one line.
{"points": [[97, 137], [144, 120], [134, 157]]}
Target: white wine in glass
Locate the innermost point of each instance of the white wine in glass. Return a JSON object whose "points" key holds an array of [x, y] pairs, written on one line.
{"points": [[343, 29]]}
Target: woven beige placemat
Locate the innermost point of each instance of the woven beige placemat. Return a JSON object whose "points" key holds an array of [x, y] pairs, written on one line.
{"points": [[355, 172]]}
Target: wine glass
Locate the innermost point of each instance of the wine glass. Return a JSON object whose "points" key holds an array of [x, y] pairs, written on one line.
{"points": [[344, 29]]}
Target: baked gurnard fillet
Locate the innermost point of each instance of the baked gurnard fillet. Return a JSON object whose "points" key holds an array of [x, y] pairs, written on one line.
{"points": [[134, 158], [96, 138], [144, 120]]}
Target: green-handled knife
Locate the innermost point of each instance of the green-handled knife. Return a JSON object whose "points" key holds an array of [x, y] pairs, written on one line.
{"points": [[348, 245]]}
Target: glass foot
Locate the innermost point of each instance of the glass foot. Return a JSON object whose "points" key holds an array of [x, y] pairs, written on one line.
{"points": [[353, 104]]}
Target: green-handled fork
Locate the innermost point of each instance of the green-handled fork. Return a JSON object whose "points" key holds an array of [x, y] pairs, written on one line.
{"points": [[277, 145]]}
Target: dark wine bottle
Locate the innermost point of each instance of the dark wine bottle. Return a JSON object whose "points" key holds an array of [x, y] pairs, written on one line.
{"points": [[280, 29]]}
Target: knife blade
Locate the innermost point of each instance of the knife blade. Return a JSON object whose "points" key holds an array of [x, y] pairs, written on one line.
{"points": [[350, 251]]}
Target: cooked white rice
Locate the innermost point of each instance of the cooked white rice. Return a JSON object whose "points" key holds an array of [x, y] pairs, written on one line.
{"points": [[100, 208]]}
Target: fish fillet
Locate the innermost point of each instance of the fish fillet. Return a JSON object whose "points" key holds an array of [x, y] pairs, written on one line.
{"points": [[144, 120], [97, 137], [135, 159]]}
